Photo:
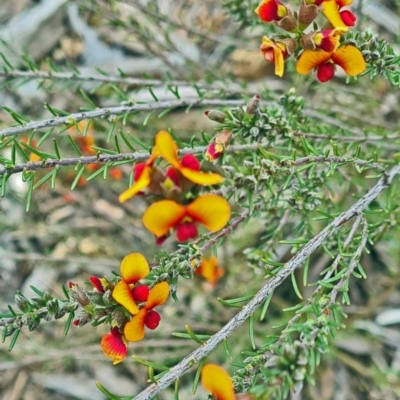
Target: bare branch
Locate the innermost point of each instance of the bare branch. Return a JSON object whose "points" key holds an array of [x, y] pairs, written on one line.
{"points": [[268, 288], [112, 111]]}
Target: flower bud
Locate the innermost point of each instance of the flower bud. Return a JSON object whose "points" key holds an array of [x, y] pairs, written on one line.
{"points": [[8, 330], [215, 115], [218, 145], [118, 318], [82, 319], [79, 295], [101, 284], [60, 313], [288, 23], [252, 105], [53, 306], [22, 303]]}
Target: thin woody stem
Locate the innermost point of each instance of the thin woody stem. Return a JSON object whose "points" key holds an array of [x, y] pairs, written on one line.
{"points": [[113, 111], [268, 288], [142, 156]]}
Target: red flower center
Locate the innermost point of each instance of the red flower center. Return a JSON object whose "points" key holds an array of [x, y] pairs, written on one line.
{"points": [[140, 293], [152, 319], [325, 72], [186, 231]]}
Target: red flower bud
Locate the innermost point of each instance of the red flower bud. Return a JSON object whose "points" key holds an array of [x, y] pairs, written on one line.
{"points": [[140, 293], [172, 174], [348, 18], [96, 282], [152, 319]]}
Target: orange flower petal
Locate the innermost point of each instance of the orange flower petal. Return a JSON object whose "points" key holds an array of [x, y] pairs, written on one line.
{"points": [[122, 294], [134, 267], [114, 346], [201, 178], [142, 183], [350, 59], [331, 11], [166, 147], [217, 381], [279, 61], [310, 59], [134, 329], [162, 216], [158, 295], [210, 210], [209, 270]]}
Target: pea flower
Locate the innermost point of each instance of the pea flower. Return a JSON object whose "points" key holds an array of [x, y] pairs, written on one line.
{"points": [[348, 57], [327, 39], [210, 270], [134, 329], [334, 12], [188, 167], [134, 267], [276, 51], [114, 345], [209, 210], [275, 11], [218, 145], [217, 381]]}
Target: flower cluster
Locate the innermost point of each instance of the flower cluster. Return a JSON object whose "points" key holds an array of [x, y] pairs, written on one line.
{"points": [[180, 209], [319, 50], [127, 304]]}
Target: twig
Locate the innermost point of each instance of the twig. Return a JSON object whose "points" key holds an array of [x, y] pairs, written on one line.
{"points": [[142, 156], [68, 76], [111, 111], [268, 288]]}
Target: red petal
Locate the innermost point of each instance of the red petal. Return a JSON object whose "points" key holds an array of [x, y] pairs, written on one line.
{"points": [[348, 18], [140, 293], [191, 162], [325, 72], [186, 231], [152, 319]]}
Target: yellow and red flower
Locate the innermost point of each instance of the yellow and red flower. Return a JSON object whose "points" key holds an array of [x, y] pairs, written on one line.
{"points": [[187, 168], [209, 210], [134, 329], [348, 57], [114, 345], [271, 10], [335, 13], [276, 51], [327, 39], [218, 145], [217, 381], [210, 270], [134, 267]]}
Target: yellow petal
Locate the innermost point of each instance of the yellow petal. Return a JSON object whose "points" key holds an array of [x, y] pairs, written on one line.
{"points": [[134, 267], [158, 295], [134, 329], [331, 12], [210, 210], [209, 270], [114, 346], [201, 178], [166, 147], [310, 59], [350, 59], [162, 216], [217, 381], [122, 294], [142, 183], [279, 61]]}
